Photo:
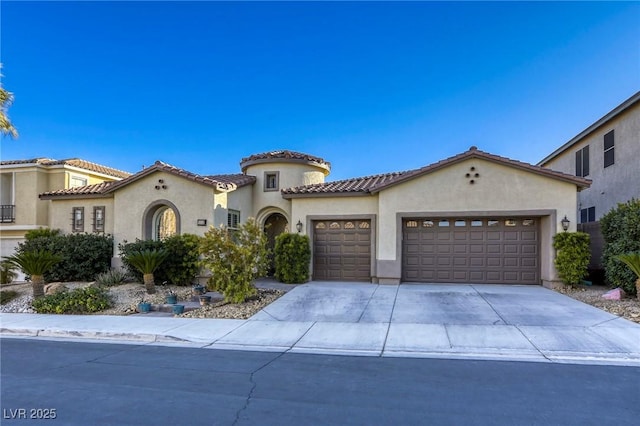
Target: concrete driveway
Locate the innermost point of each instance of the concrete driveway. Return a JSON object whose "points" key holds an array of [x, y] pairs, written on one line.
{"points": [[496, 321]]}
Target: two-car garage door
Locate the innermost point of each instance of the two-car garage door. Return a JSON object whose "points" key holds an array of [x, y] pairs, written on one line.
{"points": [[470, 250], [445, 250]]}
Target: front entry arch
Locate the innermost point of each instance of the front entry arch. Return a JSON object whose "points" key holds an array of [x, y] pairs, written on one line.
{"points": [[161, 219]]}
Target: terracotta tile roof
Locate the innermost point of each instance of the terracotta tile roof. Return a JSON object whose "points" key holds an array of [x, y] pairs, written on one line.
{"points": [[96, 189], [220, 182], [361, 185], [374, 184], [284, 154], [237, 179], [39, 160], [74, 162]]}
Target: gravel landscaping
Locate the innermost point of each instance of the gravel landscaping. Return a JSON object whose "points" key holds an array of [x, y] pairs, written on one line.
{"points": [[126, 297]]}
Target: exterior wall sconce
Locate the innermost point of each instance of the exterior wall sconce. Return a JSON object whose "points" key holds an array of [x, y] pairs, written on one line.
{"points": [[299, 226], [202, 222], [565, 223]]}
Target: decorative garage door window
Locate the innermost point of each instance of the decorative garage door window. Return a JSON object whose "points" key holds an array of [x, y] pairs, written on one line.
{"points": [[471, 250], [342, 250]]}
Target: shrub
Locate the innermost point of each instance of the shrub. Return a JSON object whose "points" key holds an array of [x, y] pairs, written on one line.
{"points": [[146, 262], [35, 263], [111, 277], [79, 301], [7, 272], [83, 255], [181, 265], [41, 233], [235, 259], [572, 256], [7, 296], [292, 256], [632, 260], [621, 231]]}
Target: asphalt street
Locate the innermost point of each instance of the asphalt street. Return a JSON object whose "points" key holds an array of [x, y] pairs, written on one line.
{"points": [[132, 384]]}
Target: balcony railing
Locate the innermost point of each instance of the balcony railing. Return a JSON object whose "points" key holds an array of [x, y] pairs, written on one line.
{"points": [[7, 213]]}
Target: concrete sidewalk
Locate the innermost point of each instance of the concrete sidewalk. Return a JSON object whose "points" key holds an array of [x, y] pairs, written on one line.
{"points": [[526, 323]]}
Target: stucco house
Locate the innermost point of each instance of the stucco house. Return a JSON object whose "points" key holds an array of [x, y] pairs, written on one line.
{"points": [[471, 218], [608, 153], [21, 181]]}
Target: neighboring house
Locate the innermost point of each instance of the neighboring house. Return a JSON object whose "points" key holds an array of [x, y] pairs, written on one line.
{"points": [[21, 181], [608, 153], [471, 218]]}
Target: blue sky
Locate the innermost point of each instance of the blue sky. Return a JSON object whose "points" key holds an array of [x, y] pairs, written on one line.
{"points": [[370, 87]]}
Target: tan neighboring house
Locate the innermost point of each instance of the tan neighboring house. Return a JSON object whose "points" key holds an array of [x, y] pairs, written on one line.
{"points": [[608, 153], [472, 218], [21, 182]]}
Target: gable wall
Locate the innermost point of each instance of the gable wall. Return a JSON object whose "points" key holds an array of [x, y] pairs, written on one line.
{"points": [[193, 201]]}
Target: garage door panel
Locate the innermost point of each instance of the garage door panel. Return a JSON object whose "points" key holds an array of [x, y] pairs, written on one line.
{"points": [[496, 250], [342, 250]]}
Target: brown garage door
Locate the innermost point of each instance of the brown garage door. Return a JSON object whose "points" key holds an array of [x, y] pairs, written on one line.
{"points": [[342, 250], [455, 250]]}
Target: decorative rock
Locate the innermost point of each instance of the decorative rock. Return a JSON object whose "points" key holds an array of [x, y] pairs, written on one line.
{"points": [[615, 294], [54, 288]]}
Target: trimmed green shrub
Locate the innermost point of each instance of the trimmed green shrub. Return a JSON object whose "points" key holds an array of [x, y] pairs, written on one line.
{"points": [[111, 277], [235, 259], [7, 296], [181, 265], [292, 256], [79, 301], [83, 255], [621, 231], [572, 257], [41, 233]]}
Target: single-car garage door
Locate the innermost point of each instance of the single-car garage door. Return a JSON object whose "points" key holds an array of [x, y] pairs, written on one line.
{"points": [[342, 250], [469, 250]]}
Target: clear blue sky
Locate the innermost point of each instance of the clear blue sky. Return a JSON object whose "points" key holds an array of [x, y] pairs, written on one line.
{"points": [[370, 87]]}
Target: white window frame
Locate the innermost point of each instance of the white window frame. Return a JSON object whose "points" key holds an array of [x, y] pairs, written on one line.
{"points": [[233, 219]]}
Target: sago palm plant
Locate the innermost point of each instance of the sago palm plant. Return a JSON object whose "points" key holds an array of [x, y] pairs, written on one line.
{"points": [[632, 260], [147, 261], [35, 263]]}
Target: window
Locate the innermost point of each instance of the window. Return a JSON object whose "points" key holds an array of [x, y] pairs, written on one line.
{"points": [[77, 222], [588, 215], [609, 146], [98, 219], [271, 181], [233, 219], [582, 162], [77, 181]]}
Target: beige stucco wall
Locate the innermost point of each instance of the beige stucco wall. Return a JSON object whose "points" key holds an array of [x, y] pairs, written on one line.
{"points": [[290, 175], [241, 200], [192, 200], [306, 209], [60, 213]]}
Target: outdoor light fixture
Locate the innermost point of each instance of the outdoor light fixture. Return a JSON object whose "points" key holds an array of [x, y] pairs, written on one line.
{"points": [[202, 222], [299, 226], [565, 223]]}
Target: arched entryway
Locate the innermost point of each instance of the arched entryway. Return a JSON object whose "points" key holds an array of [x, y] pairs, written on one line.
{"points": [[274, 225], [161, 219]]}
